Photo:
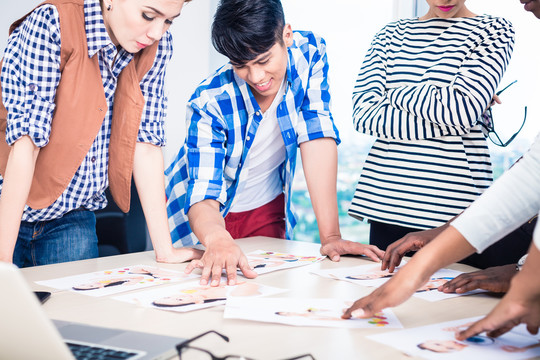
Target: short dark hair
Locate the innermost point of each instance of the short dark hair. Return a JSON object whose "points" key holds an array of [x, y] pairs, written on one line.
{"points": [[245, 29]]}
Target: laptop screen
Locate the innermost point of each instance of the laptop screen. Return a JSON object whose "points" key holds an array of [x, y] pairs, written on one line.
{"points": [[27, 332]]}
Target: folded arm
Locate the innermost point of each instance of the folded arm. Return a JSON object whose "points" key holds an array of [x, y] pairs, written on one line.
{"points": [[428, 109]]}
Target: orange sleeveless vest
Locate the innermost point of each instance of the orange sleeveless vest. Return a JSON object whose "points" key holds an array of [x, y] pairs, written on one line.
{"points": [[80, 111]]}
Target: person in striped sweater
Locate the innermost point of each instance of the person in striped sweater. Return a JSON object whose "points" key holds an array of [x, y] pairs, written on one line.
{"points": [[511, 200], [422, 89]]}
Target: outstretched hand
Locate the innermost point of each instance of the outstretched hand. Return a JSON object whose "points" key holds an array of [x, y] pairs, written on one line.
{"points": [[495, 279], [335, 248], [449, 246], [392, 293], [411, 242], [520, 305], [513, 310]]}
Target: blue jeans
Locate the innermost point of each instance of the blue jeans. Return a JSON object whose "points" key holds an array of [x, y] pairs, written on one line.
{"points": [[69, 238]]}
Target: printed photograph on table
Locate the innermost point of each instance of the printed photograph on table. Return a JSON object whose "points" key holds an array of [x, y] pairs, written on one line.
{"points": [[267, 261], [367, 275], [305, 312], [114, 281], [430, 292], [438, 342], [372, 275], [193, 296]]}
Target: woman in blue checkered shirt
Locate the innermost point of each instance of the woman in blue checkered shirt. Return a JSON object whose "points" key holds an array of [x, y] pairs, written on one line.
{"points": [[39, 84]]}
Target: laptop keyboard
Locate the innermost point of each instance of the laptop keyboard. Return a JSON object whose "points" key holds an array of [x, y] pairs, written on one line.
{"points": [[83, 351]]}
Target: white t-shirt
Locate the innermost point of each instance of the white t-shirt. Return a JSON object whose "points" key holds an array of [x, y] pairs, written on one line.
{"points": [[267, 153], [513, 199]]}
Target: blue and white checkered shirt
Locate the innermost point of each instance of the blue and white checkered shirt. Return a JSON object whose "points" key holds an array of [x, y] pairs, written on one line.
{"points": [[30, 76], [223, 117]]}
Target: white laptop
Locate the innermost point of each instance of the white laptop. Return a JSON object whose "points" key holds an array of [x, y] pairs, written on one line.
{"points": [[27, 333]]}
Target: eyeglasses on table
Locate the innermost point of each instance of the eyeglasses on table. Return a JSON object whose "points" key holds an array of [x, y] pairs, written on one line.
{"points": [[188, 352]]}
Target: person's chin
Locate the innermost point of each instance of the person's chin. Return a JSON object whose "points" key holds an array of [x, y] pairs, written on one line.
{"points": [[536, 10], [532, 6], [445, 15], [131, 47], [268, 94], [133, 50]]}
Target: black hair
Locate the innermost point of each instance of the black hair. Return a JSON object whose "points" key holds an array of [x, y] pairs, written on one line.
{"points": [[155, 303], [114, 283], [355, 277], [244, 29]]}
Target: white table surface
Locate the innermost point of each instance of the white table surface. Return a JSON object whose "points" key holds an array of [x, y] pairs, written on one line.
{"points": [[261, 341]]}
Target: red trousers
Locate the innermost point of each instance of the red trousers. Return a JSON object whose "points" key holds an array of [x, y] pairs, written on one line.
{"points": [[267, 220]]}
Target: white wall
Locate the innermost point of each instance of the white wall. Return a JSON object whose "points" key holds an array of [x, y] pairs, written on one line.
{"points": [[193, 59], [11, 11]]}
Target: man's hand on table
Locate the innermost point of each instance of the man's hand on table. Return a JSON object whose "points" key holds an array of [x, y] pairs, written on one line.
{"points": [[221, 254], [334, 248]]}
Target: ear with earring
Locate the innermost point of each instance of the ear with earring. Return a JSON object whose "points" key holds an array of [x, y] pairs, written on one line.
{"points": [[109, 8]]}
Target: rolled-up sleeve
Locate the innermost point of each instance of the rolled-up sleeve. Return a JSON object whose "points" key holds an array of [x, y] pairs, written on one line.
{"points": [[151, 129], [315, 116], [205, 156], [30, 75]]}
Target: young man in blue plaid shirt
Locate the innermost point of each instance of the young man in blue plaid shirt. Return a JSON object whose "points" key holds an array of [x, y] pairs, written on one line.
{"points": [[234, 173]]}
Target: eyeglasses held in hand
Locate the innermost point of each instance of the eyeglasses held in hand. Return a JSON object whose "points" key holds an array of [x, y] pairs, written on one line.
{"points": [[188, 352], [488, 123]]}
